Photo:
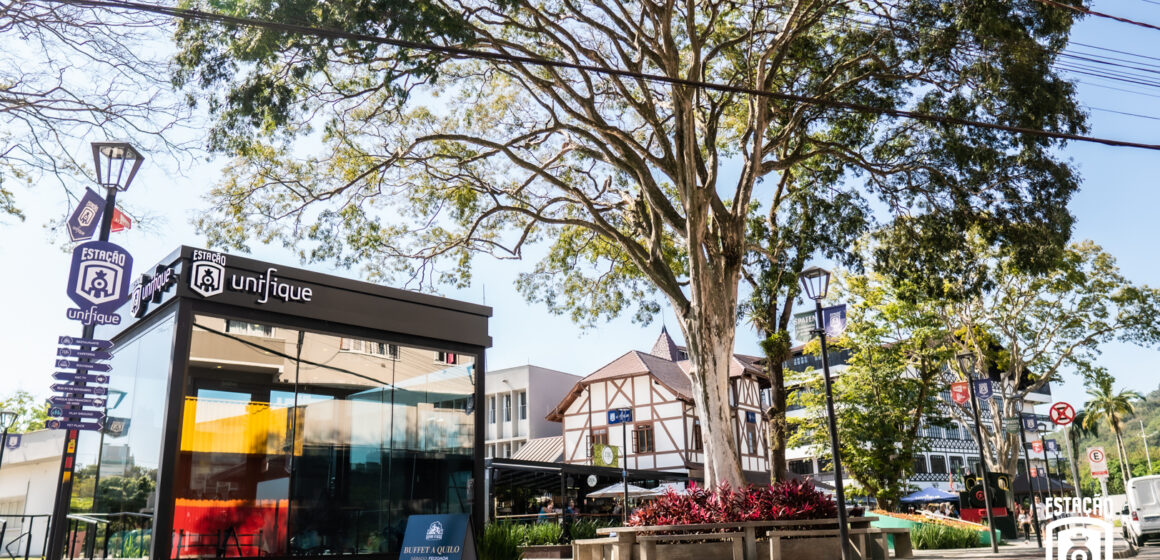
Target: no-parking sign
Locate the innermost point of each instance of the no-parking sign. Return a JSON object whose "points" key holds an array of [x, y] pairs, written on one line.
{"points": [[1098, 461]]}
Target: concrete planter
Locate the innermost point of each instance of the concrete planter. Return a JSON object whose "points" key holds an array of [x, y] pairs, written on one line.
{"points": [[547, 551]]}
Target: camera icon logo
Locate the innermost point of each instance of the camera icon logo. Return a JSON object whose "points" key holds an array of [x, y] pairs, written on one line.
{"points": [[1080, 538]]}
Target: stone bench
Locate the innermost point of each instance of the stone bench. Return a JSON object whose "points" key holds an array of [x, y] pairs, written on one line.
{"points": [[901, 536], [591, 549]]}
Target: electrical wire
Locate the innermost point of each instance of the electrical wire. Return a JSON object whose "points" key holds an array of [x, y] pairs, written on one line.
{"points": [[210, 17]]}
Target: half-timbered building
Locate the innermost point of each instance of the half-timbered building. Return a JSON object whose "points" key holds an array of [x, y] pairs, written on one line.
{"points": [[665, 433]]}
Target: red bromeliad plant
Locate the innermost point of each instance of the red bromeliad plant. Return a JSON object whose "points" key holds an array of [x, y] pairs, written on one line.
{"points": [[789, 500]]}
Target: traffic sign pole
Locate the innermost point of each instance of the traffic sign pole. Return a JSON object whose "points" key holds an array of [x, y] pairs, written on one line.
{"points": [[983, 465], [59, 522], [1027, 463]]}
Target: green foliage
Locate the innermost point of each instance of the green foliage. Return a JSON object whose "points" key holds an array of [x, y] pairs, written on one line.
{"points": [[586, 528], [933, 536], [31, 411], [500, 541], [543, 533]]}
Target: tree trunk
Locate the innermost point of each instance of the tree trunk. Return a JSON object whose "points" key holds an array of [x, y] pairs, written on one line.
{"points": [[1071, 459], [1125, 468], [776, 426]]}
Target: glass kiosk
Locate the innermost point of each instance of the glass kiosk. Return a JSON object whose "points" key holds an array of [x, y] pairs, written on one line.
{"points": [[260, 410]]}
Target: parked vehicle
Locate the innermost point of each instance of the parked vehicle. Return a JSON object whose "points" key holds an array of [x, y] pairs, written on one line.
{"points": [[1141, 515]]}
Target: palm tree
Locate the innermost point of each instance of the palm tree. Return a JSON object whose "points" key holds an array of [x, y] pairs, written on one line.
{"points": [[1114, 408], [1074, 433]]}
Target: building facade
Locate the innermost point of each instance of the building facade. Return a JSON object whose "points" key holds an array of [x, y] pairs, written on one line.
{"points": [[517, 402], [27, 488], [664, 433]]}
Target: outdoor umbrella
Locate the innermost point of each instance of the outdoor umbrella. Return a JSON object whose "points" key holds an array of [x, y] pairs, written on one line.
{"points": [[931, 495], [617, 491]]}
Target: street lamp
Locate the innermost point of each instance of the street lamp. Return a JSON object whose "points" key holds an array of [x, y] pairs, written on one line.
{"points": [[816, 282], [1027, 463], [116, 164], [967, 367], [7, 418]]}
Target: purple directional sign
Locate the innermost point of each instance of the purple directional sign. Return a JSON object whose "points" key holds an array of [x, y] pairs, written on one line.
{"points": [[89, 354], [78, 341], [65, 388], [81, 378], [67, 425], [61, 412], [77, 401], [65, 364]]}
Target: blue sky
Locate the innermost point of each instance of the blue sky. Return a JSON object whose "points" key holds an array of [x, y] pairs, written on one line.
{"points": [[1116, 208]]}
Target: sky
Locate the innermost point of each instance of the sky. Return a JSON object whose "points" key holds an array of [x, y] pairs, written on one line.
{"points": [[1116, 208]]}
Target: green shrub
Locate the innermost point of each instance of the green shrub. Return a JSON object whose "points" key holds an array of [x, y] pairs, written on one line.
{"points": [[543, 533], [932, 536], [501, 541], [586, 528]]}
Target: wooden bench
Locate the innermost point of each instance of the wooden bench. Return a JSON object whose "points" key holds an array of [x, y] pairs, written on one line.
{"points": [[648, 543]]}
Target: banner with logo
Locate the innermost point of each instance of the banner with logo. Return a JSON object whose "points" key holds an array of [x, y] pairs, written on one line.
{"points": [[833, 317], [604, 455], [438, 537]]}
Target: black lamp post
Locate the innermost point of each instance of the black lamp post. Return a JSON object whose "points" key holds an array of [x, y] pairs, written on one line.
{"points": [[816, 282], [1027, 465], [967, 366], [116, 164], [7, 418]]}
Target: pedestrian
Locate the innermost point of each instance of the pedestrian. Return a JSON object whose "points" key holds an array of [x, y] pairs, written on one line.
{"points": [[1024, 522], [547, 512]]}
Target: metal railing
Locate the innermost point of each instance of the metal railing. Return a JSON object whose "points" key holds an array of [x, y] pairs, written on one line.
{"points": [[130, 539], [25, 535]]}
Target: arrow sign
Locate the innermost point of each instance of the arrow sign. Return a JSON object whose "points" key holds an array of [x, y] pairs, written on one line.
{"points": [[66, 425], [59, 412], [65, 364], [77, 401], [64, 388], [81, 378], [78, 341], [90, 354]]}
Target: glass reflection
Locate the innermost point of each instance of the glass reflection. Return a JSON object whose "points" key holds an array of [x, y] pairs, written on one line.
{"points": [[300, 443]]}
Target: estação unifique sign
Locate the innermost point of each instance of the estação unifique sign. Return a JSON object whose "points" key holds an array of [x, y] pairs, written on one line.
{"points": [[98, 281], [149, 289], [208, 277]]}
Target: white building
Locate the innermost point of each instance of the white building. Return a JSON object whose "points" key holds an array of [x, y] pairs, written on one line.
{"points": [[516, 404], [28, 480], [664, 433]]}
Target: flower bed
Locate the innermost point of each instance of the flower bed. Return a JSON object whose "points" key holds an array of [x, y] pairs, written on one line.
{"points": [[924, 519], [790, 500]]}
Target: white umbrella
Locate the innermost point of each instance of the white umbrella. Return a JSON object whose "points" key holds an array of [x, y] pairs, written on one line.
{"points": [[617, 491]]}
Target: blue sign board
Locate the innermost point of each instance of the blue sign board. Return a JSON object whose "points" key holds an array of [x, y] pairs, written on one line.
{"points": [[834, 318], [59, 412], [619, 415], [89, 354], [91, 389], [98, 279], [85, 220], [438, 537], [1030, 424], [65, 364], [67, 425], [81, 378], [751, 417], [77, 401], [984, 389], [78, 341], [13, 441]]}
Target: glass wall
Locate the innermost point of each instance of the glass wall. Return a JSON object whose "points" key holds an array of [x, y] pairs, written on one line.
{"points": [[303, 443]]}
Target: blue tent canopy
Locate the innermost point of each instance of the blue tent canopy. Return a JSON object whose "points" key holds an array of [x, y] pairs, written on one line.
{"points": [[931, 495]]}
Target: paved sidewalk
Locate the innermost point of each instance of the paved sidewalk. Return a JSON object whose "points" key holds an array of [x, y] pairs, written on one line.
{"points": [[1023, 550]]}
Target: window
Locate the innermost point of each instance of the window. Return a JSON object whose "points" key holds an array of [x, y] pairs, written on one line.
{"points": [[766, 398], [801, 466], [953, 431], [642, 439], [598, 436], [507, 408], [448, 358], [253, 329], [956, 464], [698, 443], [523, 405], [732, 395], [933, 431], [390, 351], [825, 466], [920, 464], [751, 437], [938, 464], [491, 410]]}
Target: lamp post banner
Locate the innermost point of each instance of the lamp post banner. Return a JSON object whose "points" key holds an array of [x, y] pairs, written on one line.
{"points": [[960, 393], [86, 218], [13, 441], [984, 389]]}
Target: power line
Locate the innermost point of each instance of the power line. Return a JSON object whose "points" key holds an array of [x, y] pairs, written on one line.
{"points": [[199, 15], [1086, 11]]}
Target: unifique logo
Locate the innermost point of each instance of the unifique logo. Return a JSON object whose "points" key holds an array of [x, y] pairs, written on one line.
{"points": [[88, 213], [435, 531], [99, 277], [149, 289], [1080, 538], [207, 277]]}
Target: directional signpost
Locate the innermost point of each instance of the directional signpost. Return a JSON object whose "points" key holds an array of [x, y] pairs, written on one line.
{"points": [[90, 354], [622, 416], [74, 389], [81, 377], [77, 401], [65, 364], [78, 341]]}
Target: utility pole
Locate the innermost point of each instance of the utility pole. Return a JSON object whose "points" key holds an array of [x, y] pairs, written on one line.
{"points": [[1144, 437]]}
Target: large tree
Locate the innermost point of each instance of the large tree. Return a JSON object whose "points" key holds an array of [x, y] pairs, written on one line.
{"points": [[72, 74], [642, 189], [1106, 405]]}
